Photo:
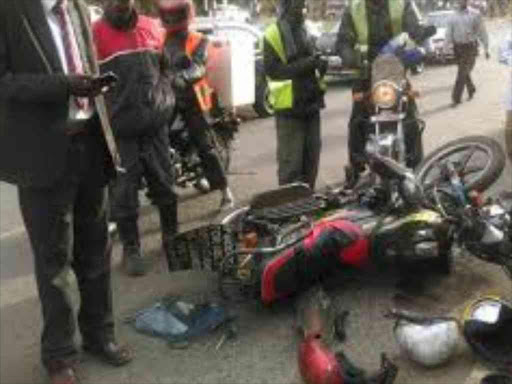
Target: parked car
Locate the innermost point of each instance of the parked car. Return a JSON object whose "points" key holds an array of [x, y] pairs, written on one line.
{"points": [[437, 51], [326, 45], [234, 31]]}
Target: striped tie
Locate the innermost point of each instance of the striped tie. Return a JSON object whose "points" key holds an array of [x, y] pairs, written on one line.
{"points": [[71, 51]]}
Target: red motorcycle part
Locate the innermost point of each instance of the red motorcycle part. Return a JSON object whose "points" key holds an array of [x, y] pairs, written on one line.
{"points": [[330, 245], [317, 364]]}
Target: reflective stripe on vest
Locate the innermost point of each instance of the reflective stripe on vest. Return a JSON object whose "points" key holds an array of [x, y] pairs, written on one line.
{"points": [[201, 87], [360, 19], [281, 92]]}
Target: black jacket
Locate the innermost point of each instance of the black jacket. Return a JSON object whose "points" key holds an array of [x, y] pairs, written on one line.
{"points": [[34, 93], [301, 69]]}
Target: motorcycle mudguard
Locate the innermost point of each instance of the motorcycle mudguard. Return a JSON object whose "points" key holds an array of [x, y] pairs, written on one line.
{"points": [[329, 245]]}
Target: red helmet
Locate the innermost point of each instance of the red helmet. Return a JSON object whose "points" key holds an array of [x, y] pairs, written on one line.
{"points": [[176, 15]]}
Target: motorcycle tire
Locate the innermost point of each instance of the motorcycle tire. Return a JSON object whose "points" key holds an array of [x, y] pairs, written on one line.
{"points": [[493, 170], [262, 105]]}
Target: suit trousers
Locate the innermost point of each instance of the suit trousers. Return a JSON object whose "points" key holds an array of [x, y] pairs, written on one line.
{"points": [[299, 144], [465, 56], [67, 227]]}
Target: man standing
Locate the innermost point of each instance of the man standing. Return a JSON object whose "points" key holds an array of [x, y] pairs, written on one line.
{"points": [[130, 45], [184, 63], [464, 28], [366, 27], [297, 93], [57, 147]]}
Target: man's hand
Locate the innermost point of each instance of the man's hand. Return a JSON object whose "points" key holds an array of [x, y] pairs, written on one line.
{"points": [[83, 86]]}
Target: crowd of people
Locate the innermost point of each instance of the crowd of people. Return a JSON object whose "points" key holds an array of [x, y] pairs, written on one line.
{"points": [[71, 137]]}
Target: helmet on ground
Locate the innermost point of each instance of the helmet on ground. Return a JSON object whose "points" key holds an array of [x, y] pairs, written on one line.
{"points": [[176, 15], [488, 329], [428, 341]]}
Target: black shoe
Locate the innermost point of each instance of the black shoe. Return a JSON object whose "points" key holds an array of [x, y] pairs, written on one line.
{"points": [[455, 104], [471, 94]]}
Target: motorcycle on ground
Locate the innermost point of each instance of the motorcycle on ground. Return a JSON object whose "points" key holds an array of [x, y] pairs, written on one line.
{"points": [[289, 238], [187, 165]]}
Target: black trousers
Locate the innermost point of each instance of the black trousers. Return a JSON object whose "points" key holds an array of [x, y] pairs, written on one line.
{"points": [[465, 56], [67, 228], [299, 144], [358, 135], [151, 160], [197, 127]]}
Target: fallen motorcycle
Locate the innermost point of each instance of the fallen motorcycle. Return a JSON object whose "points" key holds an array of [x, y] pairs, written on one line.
{"points": [[289, 238], [188, 168]]}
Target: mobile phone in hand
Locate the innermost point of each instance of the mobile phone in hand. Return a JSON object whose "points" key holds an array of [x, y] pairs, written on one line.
{"points": [[105, 81]]}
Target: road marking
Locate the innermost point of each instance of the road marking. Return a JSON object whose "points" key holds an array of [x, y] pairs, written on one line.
{"points": [[12, 233]]}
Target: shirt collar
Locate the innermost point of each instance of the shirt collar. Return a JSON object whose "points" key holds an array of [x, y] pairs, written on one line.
{"points": [[48, 5]]}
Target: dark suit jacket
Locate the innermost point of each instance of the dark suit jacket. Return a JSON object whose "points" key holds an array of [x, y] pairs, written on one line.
{"points": [[34, 94]]}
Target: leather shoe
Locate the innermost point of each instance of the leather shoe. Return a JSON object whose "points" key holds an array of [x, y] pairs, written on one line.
{"points": [[111, 353], [64, 376], [455, 104], [471, 94]]}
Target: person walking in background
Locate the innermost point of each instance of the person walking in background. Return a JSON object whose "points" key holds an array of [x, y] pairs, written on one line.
{"points": [[184, 64], [297, 93], [57, 147], [130, 45], [464, 30]]}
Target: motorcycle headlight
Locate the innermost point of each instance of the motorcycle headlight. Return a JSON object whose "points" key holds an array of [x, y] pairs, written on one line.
{"points": [[384, 94]]}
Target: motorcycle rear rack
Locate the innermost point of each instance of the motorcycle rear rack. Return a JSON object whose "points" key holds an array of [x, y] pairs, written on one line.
{"points": [[203, 248], [290, 210]]}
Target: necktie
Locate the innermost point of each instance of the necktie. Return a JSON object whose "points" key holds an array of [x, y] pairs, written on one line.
{"points": [[71, 51]]}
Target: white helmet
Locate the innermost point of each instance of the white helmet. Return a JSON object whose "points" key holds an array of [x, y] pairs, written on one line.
{"points": [[428, 341]]}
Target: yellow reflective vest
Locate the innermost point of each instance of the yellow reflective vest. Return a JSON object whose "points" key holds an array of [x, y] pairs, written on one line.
{"points": [[360, 19], [281, 91]]}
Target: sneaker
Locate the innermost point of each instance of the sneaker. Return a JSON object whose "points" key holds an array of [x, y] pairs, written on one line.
{"points": [[112, 228], [133, 262]]}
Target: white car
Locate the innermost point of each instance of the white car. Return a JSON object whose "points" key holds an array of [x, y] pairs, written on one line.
{"points": [[95, 12]]}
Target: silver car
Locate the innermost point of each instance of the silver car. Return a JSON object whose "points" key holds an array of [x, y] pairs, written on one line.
{"points": [[437, 51]]}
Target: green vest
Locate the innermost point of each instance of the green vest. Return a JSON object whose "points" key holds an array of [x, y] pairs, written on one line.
{"points": [[281, 92], [358, 12]]}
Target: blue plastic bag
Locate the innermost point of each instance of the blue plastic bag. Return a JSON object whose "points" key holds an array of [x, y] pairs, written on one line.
{"points": [[176, 320]]}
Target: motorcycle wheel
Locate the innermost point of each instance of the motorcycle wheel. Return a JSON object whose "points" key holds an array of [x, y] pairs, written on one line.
{"points": [[461, 152]]}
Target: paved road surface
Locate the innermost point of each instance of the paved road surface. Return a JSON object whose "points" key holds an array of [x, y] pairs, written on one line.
{"points": [[265, 351]]}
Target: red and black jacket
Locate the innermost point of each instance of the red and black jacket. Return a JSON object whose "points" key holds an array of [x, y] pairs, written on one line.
{"points": [[133, 53]]}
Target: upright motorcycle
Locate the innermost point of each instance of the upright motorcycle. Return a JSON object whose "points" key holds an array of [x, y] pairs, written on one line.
{"points": [[389, 98], [188, 169]]}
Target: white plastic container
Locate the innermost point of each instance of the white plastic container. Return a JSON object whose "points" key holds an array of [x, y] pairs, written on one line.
{"points": [[231, 70]]}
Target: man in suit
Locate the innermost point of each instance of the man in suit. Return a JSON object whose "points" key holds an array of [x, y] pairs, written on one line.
{"points": [[57, 147]]}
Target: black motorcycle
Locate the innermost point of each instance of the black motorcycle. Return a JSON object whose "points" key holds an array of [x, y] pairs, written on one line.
{"points": [[188, 168]]}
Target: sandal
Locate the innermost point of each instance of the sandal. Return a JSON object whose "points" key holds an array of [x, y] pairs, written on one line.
{"points": [[111, 353]]}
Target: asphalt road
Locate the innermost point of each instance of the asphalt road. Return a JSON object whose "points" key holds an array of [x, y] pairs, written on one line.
{"points": [[265, 351]]}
